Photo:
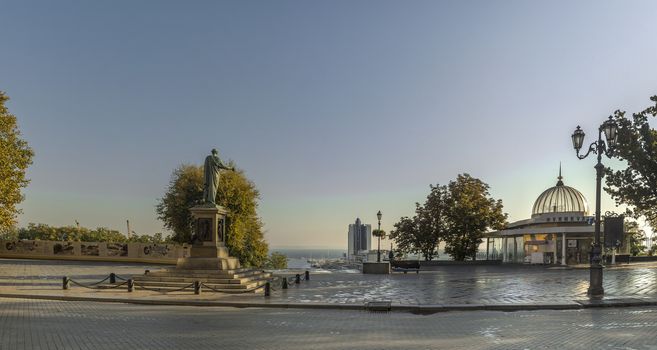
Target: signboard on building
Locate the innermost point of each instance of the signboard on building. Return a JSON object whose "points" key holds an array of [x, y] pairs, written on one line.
{"points": [[614, 231], [572, 243]]}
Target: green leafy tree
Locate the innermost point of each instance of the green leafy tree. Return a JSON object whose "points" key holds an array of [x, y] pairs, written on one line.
{"points": [[134, 238], [156, 238], [9, 234], [185, 191], [15, 157], [471, 212], [636, 185], [652, 249], [45, 232], [636, 238], [422, 233], [276, 261], [244, 238], [103, 234]]}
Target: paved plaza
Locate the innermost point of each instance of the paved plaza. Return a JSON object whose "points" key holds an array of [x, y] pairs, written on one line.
{"points": [[86, 324], [45, 324], [496, 284], [447, 285]]}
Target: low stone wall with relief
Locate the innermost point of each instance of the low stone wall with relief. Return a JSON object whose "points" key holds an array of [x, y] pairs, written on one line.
{"points": [[96, 251]]}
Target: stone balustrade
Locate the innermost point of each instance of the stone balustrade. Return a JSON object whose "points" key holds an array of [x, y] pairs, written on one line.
{"points": [[94, 251]]}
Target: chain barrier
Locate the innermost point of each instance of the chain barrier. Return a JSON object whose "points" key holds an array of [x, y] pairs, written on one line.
{"points": [[97, 288], [96, 285], [121, 278], [196, 285], [286, 281], [164, 291]]}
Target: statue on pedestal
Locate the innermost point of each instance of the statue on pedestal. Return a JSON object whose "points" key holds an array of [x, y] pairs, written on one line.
{"points": [[212, 168], [208, 250]]}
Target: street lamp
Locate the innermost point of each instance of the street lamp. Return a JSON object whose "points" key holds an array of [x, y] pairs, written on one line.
{"points": [[378, 247], [610, 129]]}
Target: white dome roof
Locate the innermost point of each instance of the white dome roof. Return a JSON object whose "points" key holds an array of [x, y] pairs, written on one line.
{"points": [[560, 199]]}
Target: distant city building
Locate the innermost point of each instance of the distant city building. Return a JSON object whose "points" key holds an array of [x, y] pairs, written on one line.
{"points": [[359, 239]]}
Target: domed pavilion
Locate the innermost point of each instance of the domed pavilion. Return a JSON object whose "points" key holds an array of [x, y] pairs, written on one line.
{"points": [[560, 230]]}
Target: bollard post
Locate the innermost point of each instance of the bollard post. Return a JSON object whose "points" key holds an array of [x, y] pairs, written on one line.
{"points": [[267, 289], [307, 275], [65, 283], [297, 279], [284, 283], [131, 285], [197, 287], [112, 278]]}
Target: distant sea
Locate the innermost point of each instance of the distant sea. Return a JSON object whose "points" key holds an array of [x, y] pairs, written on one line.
{"points": [[298, 257]]}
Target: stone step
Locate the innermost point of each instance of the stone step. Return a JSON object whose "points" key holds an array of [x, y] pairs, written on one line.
{"points": [[216, 273], [205, 290], [163, 287], [204, 278], [192, 279], [256, 273], [183, 284], [212, 279], [173, 269], [229, 281]]}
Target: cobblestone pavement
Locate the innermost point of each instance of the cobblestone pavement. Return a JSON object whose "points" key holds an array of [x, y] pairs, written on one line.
{"points": [[507, 284], [447, 285], [40, 324]]}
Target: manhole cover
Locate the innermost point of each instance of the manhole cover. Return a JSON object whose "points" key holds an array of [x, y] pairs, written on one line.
{"points": [[385, 305]]}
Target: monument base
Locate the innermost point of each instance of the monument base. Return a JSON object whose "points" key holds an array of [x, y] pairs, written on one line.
{"points": [[203, 257], [382, 268], [203, 251], [216, 264], [209, 251]]}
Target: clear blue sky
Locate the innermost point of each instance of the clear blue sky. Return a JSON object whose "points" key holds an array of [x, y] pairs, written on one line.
{"points": [[336, 109]]}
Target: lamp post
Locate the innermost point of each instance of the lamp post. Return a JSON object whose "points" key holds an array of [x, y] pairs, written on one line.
{"points": [[599, 147], [378, 247]]}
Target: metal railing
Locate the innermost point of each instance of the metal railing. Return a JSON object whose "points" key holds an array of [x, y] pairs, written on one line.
{"points": [[286, 281], [66, 282], [197, 286]]}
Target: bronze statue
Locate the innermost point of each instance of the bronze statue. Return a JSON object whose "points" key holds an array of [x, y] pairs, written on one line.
{"points": [[212, 168]]}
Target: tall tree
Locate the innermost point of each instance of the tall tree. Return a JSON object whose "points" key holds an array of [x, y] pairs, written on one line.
{"points": [[636, 185], [422, 233], [15, 157], [636, 237], [244, 239], [471, 213], [185, 191], [276, 261]]}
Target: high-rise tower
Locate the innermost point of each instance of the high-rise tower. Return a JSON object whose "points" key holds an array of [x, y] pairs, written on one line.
{"points": [[359, 238]]}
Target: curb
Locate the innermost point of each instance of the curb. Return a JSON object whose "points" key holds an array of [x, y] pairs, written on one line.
{"points": [[415, 309]]}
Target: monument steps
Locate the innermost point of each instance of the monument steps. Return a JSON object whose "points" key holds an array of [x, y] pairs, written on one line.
{"points": [[167, 288], [217, 274], [178, 285], [203, 279], [230, 281], [192, 279]]}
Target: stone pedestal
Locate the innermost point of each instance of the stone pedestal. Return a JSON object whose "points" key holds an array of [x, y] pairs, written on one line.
{"points": [[382, 268], [208, 251]]}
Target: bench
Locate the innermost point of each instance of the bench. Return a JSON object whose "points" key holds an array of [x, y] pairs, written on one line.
{"points": [[405, 265]]}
